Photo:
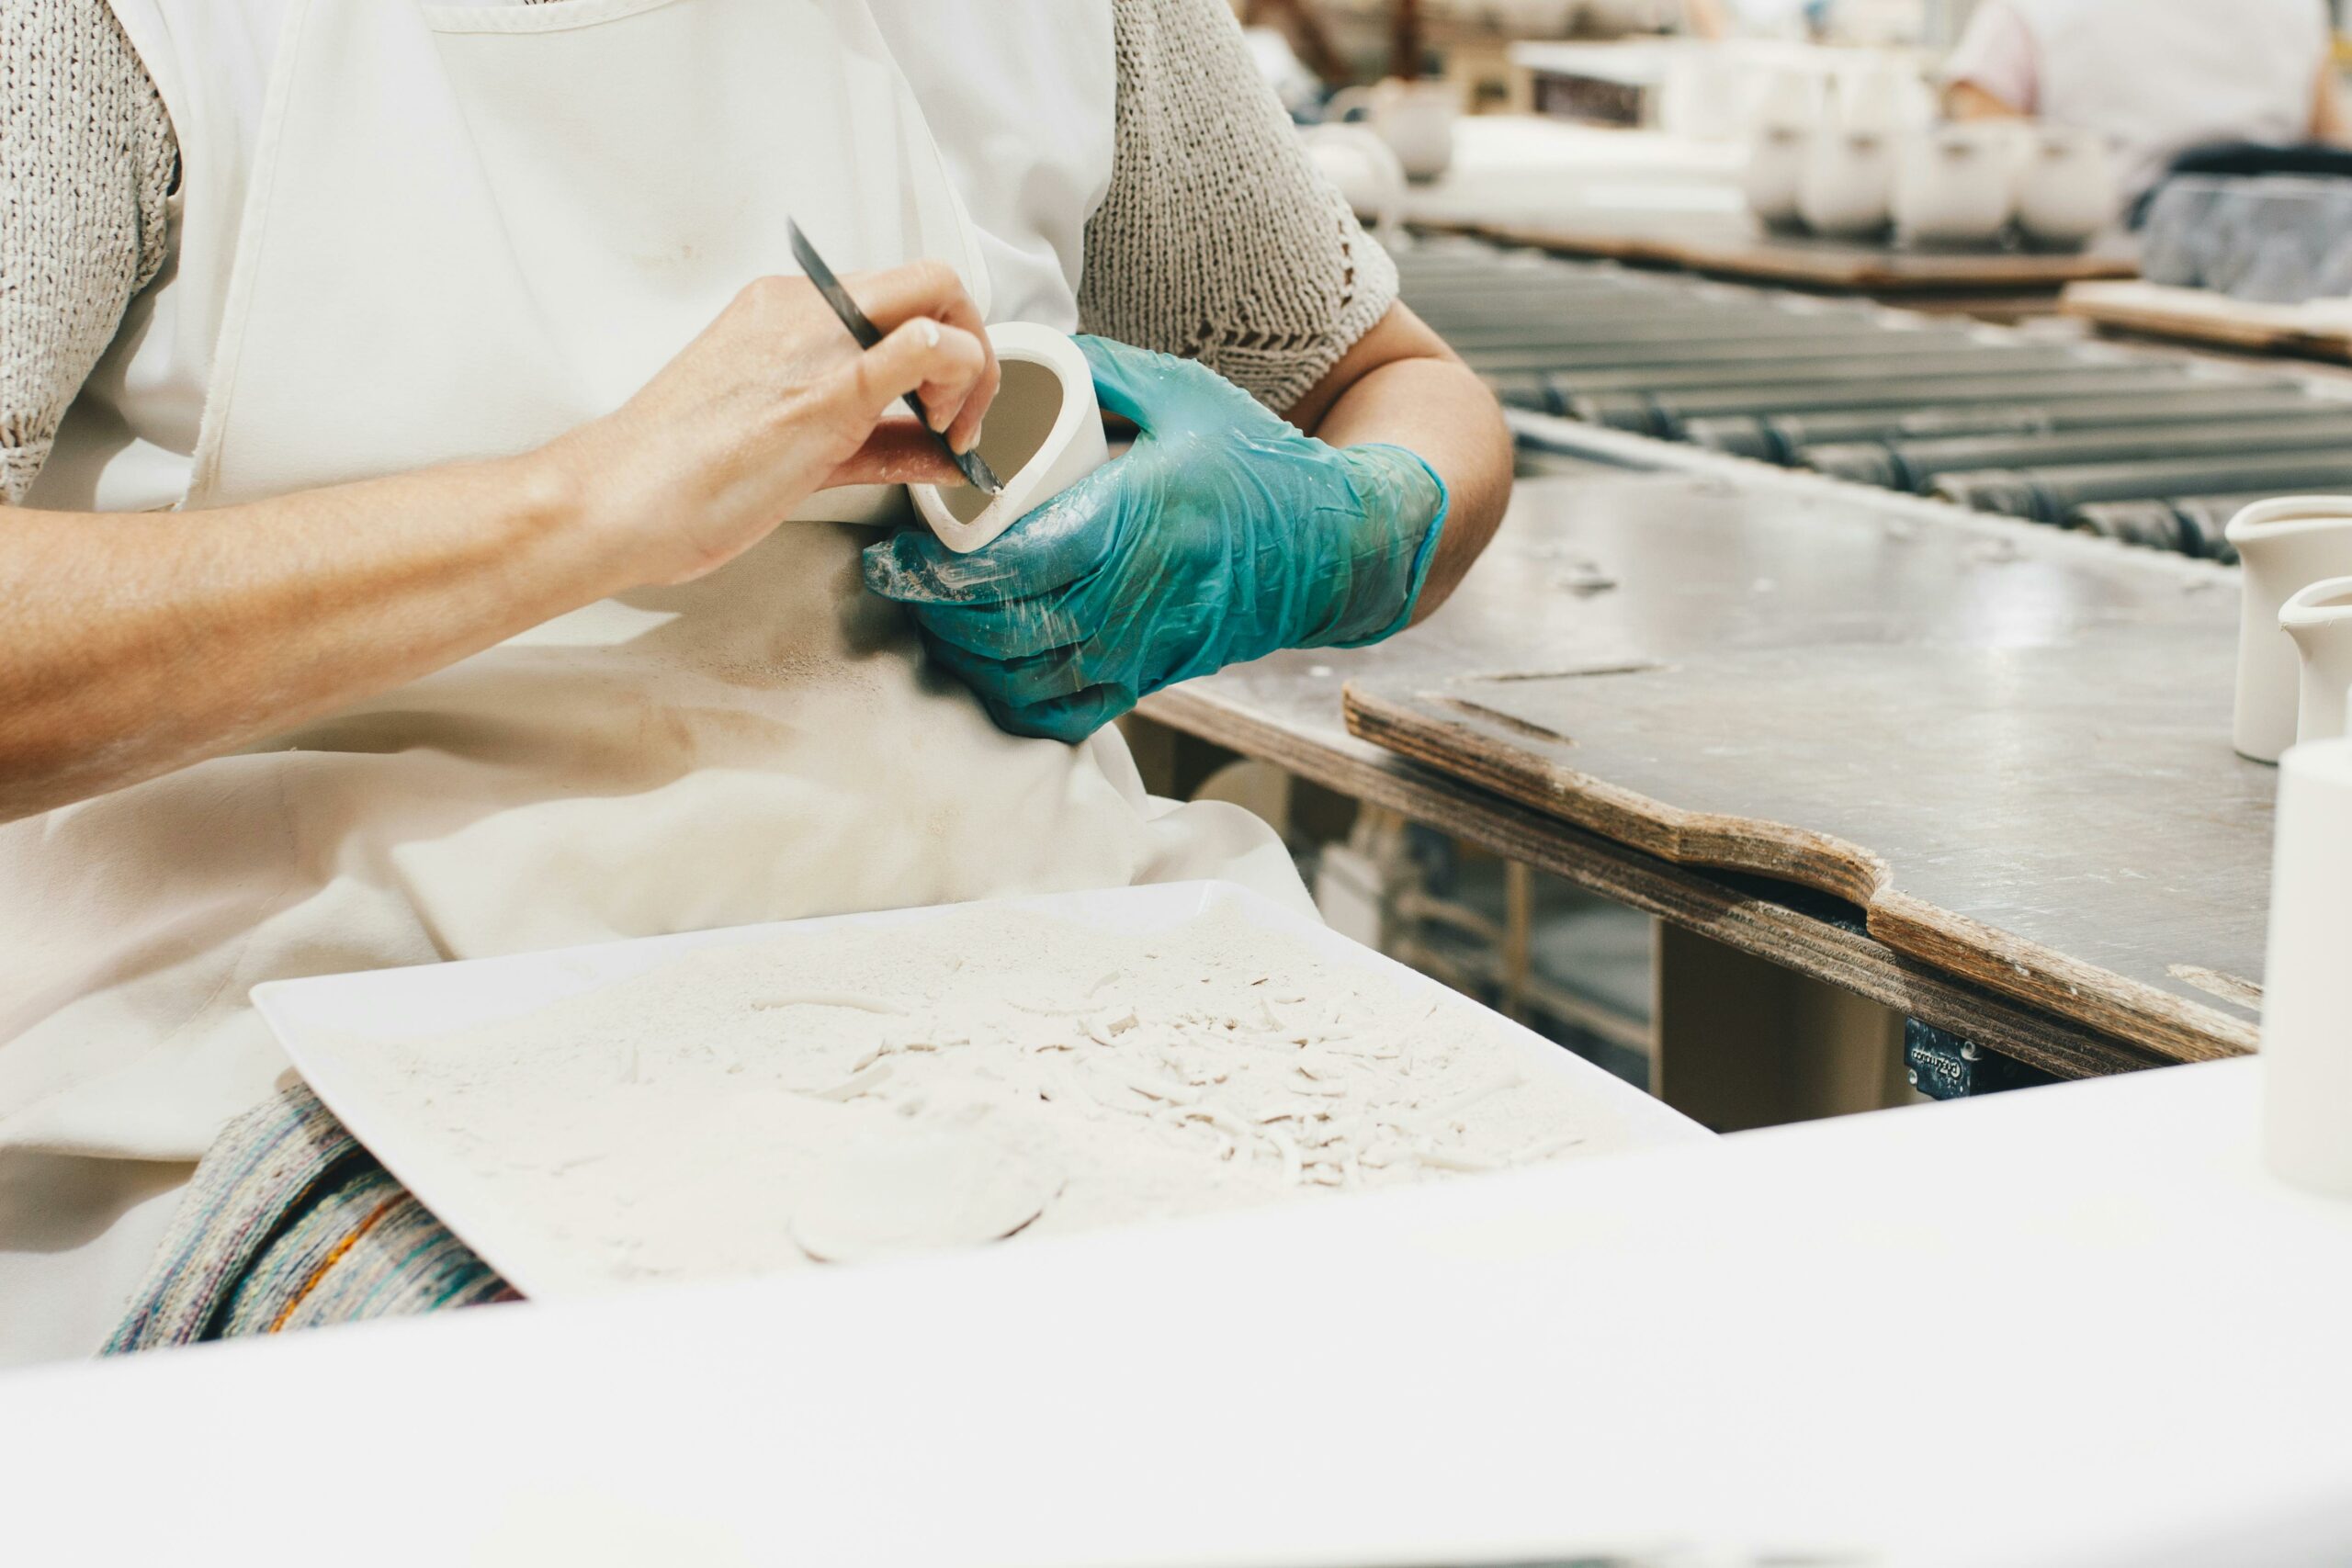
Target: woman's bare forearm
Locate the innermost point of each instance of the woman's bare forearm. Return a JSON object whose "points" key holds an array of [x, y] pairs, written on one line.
{"points": [[135, 643], [1401, 384], [138, 642]]}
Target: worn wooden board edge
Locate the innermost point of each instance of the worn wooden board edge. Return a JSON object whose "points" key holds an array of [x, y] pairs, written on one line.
{"points": [[1476, 748], [1686, 897], [1862, 269], [2199, 316]]}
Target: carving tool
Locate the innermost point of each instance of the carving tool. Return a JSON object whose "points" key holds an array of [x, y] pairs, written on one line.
{"points": [[867, 334]]}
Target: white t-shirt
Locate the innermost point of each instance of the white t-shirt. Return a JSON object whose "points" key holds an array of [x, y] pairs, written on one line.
{"points": [[2161, 76]]}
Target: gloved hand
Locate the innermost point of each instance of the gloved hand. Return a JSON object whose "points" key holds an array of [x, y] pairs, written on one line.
{"points": [[1221, 535]]}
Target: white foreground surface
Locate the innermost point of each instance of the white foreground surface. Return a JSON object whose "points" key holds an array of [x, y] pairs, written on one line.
{"points": [[2070, 1325]]}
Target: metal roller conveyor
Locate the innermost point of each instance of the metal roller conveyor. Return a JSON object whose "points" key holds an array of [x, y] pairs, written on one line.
{"points": [[1667, 414], [1915, 465], [2150, 448], [2048, 495], [1776, 438]]}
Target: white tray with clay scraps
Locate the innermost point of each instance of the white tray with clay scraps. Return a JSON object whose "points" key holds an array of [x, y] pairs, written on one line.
{"points": [[768, 1097]]}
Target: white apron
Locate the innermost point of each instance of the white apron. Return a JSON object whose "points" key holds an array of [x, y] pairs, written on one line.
{"points": [[468, 228]]}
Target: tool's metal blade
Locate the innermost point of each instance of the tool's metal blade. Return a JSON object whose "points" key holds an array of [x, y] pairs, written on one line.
{"points": [[860, 327]]}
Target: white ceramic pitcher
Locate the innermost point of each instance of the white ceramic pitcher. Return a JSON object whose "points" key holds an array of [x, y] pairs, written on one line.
{"points": [[1415, 118], [2286, 545], [2319, 618], [2306, 984]]}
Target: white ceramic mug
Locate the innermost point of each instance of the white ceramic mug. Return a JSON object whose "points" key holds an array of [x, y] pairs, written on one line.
{"points": [[1957, 184], [2284, 545], [1415, 118], [2068, 191], [1043, 434], [2319, 618], [2306, 984]]}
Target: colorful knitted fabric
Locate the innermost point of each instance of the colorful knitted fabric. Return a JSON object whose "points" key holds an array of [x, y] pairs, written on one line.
{"points": [[290, 1223]]}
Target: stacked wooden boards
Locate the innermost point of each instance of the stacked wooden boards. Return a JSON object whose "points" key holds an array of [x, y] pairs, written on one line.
{"points": [[1735, 245], [2149, 446], [2320, 329], [2010, 750]]}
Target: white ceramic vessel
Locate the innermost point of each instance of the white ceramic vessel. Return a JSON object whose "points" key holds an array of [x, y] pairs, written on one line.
{"points": [[2306, 982], [1849, 182], [1779, 143], [2068, 192], [2286, 545], [1044, 433], [2319, 618], [1364, 168], [1776, 165], [1957, 184], [1415, 118]]}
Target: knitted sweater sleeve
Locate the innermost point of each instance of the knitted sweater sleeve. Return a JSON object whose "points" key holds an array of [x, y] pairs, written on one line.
{"points": [[86, 166], [1218, 238]]}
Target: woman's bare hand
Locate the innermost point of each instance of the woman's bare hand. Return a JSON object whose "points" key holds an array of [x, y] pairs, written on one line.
{"points": [[773, 402]]}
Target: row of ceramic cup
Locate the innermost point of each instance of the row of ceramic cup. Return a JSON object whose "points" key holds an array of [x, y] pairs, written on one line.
{"points": [[1959, 184], [2295, 624]]}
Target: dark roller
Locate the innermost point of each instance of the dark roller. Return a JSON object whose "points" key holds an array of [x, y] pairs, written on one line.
{"points": [[1915, 465], [2047, 495], [1523, 390], [1928, 359], [2146, 524], [1572, 353], [1665, 414], [2199, 521], [1778, 437]]}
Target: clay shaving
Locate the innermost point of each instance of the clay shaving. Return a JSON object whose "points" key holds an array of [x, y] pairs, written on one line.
{"points": [[855, 1093]]}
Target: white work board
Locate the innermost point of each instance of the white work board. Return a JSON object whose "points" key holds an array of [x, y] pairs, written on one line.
{"points": [[348, 1034], [2072, 1325]]}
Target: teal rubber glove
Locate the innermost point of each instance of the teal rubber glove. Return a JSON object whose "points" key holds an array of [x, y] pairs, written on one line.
{"points": [[1220, 537]]}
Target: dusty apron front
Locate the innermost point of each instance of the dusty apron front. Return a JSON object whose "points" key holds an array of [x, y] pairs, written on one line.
{"points": [[471, 228]]}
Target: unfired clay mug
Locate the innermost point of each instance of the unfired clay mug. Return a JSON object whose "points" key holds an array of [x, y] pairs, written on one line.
{"points": [[2285, 546], [1415, 118], [2318, 619], [2068, 192], [1957, 184], [1849, 181], [1364, 167], [1043, 434]]}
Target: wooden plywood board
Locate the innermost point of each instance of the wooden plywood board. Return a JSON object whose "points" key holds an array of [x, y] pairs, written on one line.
{"points": [[2201, 316], [1600, 569], [1736, 245], [2031, 786]]}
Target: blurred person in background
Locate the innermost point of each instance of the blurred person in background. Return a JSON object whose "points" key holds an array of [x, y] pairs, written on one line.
{"points": [[2162, 78]]}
